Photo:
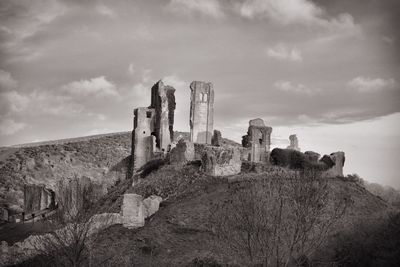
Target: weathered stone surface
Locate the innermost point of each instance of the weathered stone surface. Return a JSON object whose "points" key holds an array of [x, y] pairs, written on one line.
{"points": [[182, 153], [201, 112], [312, 156], [151, 205], [338, 159], [257, 141], [220, 161], [143, 143], [133, 213], [216, 139], [37, 197], [153, 126], [294, 142], [163, 102]]}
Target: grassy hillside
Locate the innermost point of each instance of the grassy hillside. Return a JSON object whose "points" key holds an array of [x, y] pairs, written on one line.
{"points": [[103, 158], [99, 157], [181, 232]]}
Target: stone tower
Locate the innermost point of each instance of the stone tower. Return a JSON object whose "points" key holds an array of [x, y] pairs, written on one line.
{"points": [[201, 112], [153, 126], [257, 141], [294, 142], [163, 102]]}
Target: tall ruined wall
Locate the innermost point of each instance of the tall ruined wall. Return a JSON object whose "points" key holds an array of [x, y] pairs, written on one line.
{"points": [[143, 139], [163, 102], [201, 112], [257, 141]]}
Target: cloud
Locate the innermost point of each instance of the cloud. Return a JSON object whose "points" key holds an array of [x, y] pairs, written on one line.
{"points": [[174, 81], [131, 69], [6, 81], [12, 101], [287, 12], [283, 52], [98, 86], [287, 86], [365, 84], [105, 11], [9, 126], [210, 8]]}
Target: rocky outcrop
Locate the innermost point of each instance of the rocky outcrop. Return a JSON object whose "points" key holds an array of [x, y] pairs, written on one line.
{"points": [[312, 156]]}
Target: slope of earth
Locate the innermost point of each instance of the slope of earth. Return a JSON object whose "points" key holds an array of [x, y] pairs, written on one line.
{"points": [[102, 158], [181, 234]]}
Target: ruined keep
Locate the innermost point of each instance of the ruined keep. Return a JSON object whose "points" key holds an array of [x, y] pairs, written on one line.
{"points": [[153, 126], [201, 112], [257, 141], [294, 142]]}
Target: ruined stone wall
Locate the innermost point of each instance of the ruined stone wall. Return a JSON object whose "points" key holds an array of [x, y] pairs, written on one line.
{"points": [[221, 161], [294, 142], [163, 102], [338, 159], [257, 142], [143, 140], [201, 112]]}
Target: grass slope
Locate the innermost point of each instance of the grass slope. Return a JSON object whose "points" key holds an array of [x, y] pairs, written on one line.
{"points": [[179, 233]]}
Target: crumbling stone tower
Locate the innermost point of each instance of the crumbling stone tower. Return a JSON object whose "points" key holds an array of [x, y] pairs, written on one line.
{"points": [[294, 142], [143, 143], [163, 102], [153, 127], [257, 141], [201, 112]]}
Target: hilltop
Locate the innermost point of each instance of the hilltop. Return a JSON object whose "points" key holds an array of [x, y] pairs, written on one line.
{"points": [[103, 158], [181, 233]]}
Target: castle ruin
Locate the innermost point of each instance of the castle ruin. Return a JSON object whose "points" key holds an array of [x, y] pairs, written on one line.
{"points": [[153, 130], [201, 112], [257, 141], [294, 142]]}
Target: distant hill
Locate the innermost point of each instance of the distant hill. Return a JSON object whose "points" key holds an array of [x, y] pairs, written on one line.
{"points": [[100, 157]]}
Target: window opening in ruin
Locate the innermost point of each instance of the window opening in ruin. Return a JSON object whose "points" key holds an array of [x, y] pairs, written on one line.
{"points": [[148, 114], [260, 140], [205, 97], [144, 132]]}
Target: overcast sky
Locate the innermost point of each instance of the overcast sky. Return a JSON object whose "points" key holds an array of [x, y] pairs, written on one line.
{"points": [[325, 70]]}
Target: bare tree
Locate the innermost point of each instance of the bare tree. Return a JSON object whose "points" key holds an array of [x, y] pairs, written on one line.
{"points": [[278, 221], [72, 229]]}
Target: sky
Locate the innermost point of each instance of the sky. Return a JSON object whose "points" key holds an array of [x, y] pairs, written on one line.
{"points": [[328, 71]]}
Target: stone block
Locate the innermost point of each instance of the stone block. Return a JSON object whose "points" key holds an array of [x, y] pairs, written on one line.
{"points": [[151, 205], [133, 213]]}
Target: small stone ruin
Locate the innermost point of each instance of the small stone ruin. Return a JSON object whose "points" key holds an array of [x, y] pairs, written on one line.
{"points": [[37, 197], [294, 142]]}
